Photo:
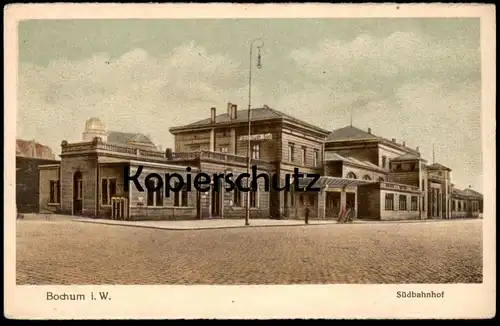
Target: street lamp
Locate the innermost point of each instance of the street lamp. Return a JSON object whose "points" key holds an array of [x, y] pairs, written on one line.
{"points": [[259, 65]]}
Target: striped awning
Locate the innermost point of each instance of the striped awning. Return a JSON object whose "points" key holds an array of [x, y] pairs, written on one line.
{"points": [[332, 182]]}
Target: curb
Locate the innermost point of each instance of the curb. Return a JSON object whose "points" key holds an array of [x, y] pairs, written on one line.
{"points": [[264, 226], [200, 228]]}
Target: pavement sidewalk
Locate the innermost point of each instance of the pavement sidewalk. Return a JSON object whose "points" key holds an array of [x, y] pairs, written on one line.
{"points": [[213, 223], [205, 224]]}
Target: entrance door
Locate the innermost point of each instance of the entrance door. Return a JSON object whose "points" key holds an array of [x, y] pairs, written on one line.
{"points": [[77, 193], [286, 194], [350, 200], [198, 205], [216, 202]]}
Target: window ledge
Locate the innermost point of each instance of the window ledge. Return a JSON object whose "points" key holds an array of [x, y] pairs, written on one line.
{"points": [[53, 204]]}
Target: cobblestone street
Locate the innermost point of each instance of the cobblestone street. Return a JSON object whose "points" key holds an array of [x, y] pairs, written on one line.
{"points": [[69, 252]]}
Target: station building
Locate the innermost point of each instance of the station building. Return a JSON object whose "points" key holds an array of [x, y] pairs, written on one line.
{"points": [[379, 178]]}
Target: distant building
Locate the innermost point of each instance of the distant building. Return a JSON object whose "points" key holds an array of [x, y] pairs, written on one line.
{"points": [[30, 148], [96, 128], [29, 156], [379, 178]]}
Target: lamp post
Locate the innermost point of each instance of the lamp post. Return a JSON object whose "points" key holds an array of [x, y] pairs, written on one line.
{"points": [[249, 152]]}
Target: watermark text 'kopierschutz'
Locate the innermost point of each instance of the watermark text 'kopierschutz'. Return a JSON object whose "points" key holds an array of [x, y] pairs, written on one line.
{"points": [[203, 182]]}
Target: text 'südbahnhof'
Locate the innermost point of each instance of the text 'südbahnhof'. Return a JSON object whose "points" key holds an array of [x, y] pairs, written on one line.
{"points": [[381, 179]]}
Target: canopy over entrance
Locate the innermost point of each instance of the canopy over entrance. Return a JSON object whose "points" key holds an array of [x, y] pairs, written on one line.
{"points": [[332, 182]]}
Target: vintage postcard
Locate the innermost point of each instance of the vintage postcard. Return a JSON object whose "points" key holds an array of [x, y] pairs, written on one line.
{"points": [[240, 161]]}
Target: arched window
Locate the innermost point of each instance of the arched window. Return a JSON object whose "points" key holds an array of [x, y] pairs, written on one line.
{"points": [[351, 175], [384, 161], [366, 177], [380, 179]]}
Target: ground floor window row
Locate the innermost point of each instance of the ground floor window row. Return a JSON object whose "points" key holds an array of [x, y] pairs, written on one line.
{"points": [[181, 198], [403, 202], [461, 206]]}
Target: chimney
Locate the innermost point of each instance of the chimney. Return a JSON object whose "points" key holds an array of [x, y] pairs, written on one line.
{"points": [[417, 149], [394, 140], [212, 115], [229, 110], [404, 143], [234, 111], [369, 130], [169, 154]]}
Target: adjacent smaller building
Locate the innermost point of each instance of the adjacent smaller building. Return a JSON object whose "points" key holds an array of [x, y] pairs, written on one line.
{"points": [[466, 203], [29, 187]]}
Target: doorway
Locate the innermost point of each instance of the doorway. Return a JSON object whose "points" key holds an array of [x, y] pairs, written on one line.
{"points": [[77, 194], [350, 198], [216, 203], [332, 204]]}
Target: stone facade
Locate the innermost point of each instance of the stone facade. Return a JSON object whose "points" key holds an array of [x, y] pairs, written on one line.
{"points": [[378, 178]]}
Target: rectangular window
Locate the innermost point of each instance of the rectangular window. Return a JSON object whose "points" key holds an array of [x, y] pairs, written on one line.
{"points": [[112, 188], [414, 203], [184, 197], [291, 152], [316, 157], [223, 149], [108, 190], [453, 205], [253, 198], [236, 197], [159, 197], [402, 203], [256, 151], [104, 192], [303, 155], [176, 195], [389, 202], [151, 193], [459, 205], [54, 192]]}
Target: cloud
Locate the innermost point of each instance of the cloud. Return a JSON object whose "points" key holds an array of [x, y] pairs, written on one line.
{"points": [[134, 92], [399, 55], [402, 86]]}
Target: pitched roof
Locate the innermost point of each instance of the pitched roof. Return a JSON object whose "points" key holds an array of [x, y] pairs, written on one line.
{"points": [[331, 181], [126, 137], [407, 156], [437, 166], [350, 133], [472, 192], [264, 113], [458, 192], [329, 156]]}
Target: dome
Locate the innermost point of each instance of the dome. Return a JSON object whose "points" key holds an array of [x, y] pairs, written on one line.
{"points": [[95, 124]]}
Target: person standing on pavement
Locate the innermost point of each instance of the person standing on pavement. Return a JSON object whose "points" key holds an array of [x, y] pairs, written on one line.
{"points": [[307, 214]]}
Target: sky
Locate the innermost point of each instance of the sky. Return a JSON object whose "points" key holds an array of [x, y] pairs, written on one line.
{"points": [[416, 80]]}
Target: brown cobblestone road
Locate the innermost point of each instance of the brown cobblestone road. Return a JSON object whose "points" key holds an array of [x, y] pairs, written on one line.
{"points": [[67, 252]]}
